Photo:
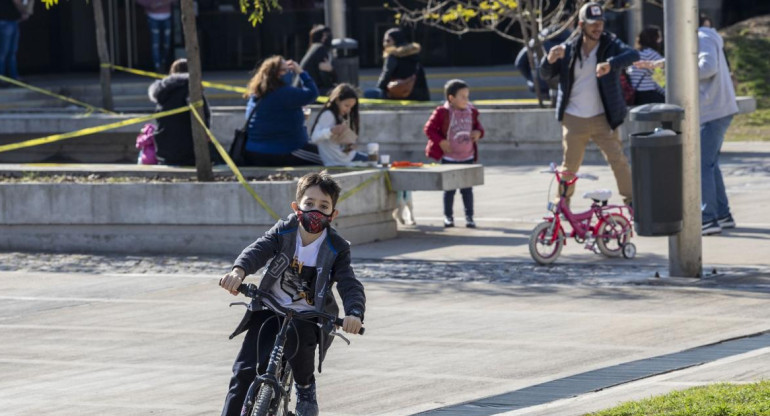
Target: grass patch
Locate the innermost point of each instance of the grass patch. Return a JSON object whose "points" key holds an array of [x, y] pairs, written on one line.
{"points": [[747, 54], [721, 399]]}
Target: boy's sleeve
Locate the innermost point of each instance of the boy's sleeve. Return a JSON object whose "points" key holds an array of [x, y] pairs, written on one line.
{"points": [[350, 289], [432, 128], [256, 255], [476, 123]]}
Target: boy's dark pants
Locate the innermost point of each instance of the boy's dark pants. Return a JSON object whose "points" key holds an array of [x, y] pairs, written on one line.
{"points": [[244, 370], [449, 196]]}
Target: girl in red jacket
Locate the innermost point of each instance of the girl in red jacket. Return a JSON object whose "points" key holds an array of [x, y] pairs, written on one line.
{"points": [[453, 130]]}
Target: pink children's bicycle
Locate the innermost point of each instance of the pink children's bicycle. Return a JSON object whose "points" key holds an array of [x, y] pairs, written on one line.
{"points": [[603, 228]]}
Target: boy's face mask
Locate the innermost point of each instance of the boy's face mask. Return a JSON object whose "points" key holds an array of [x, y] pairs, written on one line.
{"points": [[313, 221]]}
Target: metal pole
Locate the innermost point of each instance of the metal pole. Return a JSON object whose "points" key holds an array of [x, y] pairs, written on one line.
{"points": [[685, 254], [335, 17], [635, 21], [128, 34]]}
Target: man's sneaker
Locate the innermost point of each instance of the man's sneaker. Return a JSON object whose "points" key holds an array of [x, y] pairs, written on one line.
{"points": [[711, 227], [449, 222], [727, 222], [469, 222], [307, 405]]}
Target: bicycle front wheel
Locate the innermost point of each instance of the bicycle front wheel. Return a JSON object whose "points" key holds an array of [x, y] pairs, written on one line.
{"points": [[545, 243], [262, 405]]}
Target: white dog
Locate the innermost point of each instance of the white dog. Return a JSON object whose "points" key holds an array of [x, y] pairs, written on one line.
{"points": [[405, 211]]}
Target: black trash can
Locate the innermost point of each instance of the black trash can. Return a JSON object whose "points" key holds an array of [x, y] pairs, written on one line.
{"points": [[656, 169], [345, 60]]}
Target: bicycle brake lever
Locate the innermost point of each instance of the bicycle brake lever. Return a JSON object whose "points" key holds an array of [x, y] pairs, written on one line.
{"points": [[239, 304], [337, 334]]}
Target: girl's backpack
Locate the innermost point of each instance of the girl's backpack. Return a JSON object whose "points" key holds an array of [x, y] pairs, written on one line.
{"points": [[145, 142]]}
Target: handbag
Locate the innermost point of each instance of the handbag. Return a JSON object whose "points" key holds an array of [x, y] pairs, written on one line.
{"points": [[237, 151], [401, 88]]}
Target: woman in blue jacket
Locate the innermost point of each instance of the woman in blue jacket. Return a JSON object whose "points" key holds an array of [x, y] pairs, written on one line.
{"points": [[276, 128]]}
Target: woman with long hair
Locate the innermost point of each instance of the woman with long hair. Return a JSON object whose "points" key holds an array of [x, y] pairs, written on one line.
{"points": [[336, 128], [276, 123], [401, 62], [646, 89]]}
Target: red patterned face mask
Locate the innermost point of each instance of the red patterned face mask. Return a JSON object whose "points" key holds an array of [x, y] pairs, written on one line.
{"points": [[313, 221]]}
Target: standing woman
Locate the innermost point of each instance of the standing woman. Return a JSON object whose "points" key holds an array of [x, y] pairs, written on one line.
{"points": [[402, 60], [276, 124], [647, 90]]}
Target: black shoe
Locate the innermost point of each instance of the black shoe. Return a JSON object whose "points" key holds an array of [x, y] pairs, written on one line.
{"points": [[307, 405], [726, 222], [449, 222], [469, 222], [711, 227]]}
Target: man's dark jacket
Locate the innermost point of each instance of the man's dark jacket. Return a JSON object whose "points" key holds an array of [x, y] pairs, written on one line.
{"points": [[277, 246], [612, 50], [174, 136]]}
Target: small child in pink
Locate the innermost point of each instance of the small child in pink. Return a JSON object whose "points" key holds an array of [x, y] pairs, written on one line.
{"points": [[453, 131]]}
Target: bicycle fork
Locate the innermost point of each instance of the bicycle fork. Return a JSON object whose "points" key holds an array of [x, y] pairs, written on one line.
{"points": [[272, 374]]}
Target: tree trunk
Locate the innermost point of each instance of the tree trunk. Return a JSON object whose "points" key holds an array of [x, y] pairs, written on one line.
{"points": [[104, 55], [202, 156]]}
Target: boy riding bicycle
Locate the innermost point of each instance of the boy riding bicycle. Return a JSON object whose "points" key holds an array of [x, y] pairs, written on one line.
{"points": [[306, 258]]}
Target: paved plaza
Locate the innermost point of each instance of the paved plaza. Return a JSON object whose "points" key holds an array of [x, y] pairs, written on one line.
{"points": [[459, 322]]}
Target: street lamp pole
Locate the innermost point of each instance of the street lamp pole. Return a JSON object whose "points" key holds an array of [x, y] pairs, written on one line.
{"points": [[335, 17], [685, 251]]}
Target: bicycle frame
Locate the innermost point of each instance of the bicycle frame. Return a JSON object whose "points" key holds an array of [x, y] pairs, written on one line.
{"points": [[274, 369], [275, 366], [581, 221]]}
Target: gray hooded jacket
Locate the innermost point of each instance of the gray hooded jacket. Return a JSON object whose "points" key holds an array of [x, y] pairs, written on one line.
{"points": [[717, 96]]}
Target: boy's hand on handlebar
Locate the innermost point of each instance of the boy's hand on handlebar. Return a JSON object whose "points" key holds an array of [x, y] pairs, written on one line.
{"points": [[351, 324], [232, 280]]}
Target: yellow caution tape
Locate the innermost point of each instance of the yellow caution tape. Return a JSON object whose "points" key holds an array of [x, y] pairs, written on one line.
{"points": [[207, 84], [96, 129], [363, 185], [242, 90], [90, 107], [234, 168]]}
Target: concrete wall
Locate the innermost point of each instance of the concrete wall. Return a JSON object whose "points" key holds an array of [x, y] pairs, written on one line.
{"points": [[185, 218]]}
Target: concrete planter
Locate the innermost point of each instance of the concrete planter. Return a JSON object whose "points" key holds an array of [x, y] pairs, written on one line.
{"points": [[189, 218]]}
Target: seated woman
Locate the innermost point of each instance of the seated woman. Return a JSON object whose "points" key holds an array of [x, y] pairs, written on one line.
{"points": [[335, 130], [173, 137], [402, 61], [276, 123]]}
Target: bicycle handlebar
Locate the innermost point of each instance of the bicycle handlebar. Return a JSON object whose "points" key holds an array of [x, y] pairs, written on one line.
{"points": [[251, 290], [553, 170]]}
